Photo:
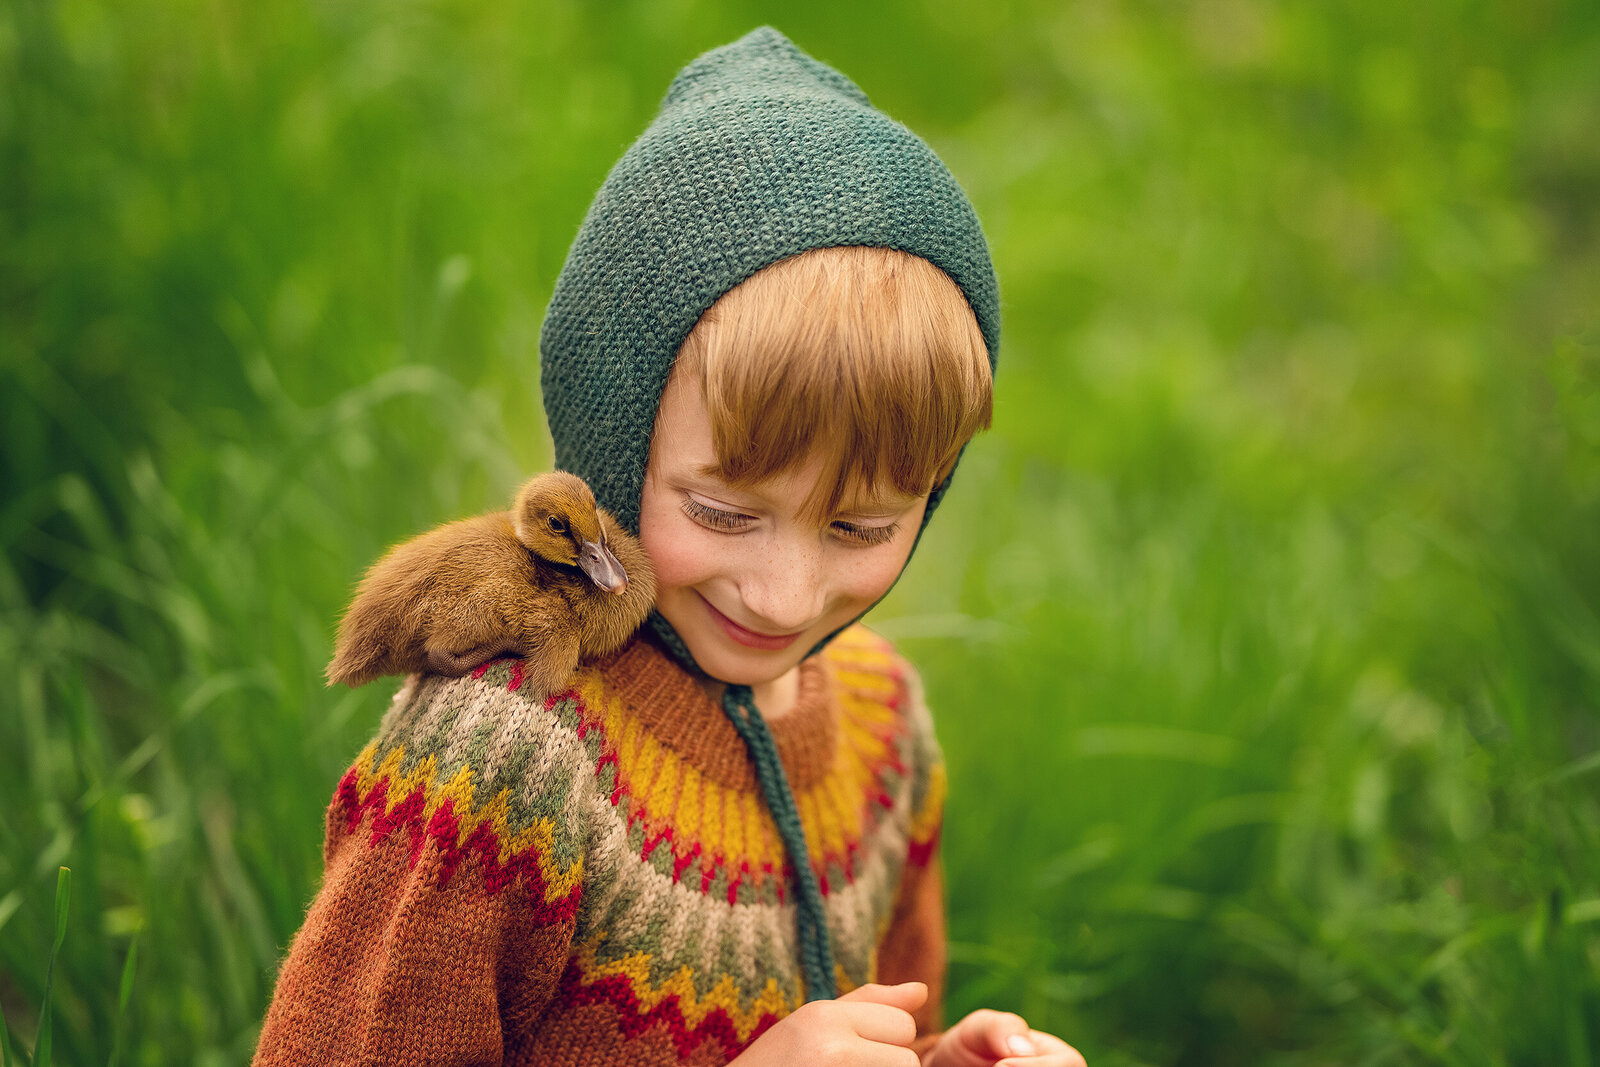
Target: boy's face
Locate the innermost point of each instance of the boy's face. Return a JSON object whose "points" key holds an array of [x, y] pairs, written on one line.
{"points": [[749, 582]]}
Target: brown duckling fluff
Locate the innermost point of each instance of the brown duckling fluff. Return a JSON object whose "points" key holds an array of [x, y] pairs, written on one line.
{"points": [[554, 580]]}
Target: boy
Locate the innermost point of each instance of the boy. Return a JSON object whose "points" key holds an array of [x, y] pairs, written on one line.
{"points": [[772, 338]]}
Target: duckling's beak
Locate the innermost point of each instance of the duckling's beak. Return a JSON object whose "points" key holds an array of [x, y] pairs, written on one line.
{"points": [[602, 567]]}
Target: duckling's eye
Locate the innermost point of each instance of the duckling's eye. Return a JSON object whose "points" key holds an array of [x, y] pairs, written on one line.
{"points": [[556, 525]]}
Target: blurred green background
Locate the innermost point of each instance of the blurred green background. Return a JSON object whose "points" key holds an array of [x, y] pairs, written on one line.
{"points": [[1263, 630]]}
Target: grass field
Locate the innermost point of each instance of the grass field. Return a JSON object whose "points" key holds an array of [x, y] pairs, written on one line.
{"points": [[1263, 631]]}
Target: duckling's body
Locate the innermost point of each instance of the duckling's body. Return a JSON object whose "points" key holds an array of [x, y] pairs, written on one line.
{"points": [[555, 580]]}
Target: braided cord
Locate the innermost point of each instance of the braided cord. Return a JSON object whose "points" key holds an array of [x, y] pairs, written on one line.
{"points": [[673, 643], [816, 955]]}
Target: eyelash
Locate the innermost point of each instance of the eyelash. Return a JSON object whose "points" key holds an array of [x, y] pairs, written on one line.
{"points": [[867, 535], [733, 521], [715, 518]]}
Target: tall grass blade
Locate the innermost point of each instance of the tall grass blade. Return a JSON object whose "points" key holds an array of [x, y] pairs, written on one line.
{"points": [[41, 1048], [5, 1041], [123, 993]]}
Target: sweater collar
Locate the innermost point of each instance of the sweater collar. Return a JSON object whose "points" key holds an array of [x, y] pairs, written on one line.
{"points": [[674, 707]]}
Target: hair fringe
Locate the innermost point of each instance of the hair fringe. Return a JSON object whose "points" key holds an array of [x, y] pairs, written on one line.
{"points": [[868, 360]]}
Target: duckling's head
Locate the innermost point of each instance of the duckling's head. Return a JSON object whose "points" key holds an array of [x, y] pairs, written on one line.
{"points": [[556, 519]]}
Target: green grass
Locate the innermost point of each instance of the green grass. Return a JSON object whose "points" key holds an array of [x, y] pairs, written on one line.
{"points": [[1263, 631]]}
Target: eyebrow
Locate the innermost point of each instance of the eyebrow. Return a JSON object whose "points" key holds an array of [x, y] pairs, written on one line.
{"points": [[877, 508], [709, 476]]}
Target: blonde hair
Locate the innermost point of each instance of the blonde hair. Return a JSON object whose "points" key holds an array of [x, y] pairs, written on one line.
{"points": [[867, 359]]}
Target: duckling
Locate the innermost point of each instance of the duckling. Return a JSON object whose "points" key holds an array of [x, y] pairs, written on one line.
{"points": [[554, 580]]}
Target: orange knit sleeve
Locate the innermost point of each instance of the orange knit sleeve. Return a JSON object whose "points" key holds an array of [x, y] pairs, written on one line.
{"points": [[409, 955]]}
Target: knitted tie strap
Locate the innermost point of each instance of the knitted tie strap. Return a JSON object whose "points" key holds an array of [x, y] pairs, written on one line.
{"points": [[816, 955]]}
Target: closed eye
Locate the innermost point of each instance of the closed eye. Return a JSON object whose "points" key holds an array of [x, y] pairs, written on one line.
{"points": [[866, 535], [715, 518]]}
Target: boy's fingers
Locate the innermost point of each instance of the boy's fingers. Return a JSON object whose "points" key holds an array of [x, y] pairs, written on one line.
{"points": [[883, 1023], [907, 996], [999, 1034], [1051, 1045]]}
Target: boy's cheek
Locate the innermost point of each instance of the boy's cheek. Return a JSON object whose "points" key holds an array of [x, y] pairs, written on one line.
{"points": [[679, 555], [874, 572]]}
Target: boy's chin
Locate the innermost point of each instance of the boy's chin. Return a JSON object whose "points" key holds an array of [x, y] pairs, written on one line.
{"points": [[729, 662]]}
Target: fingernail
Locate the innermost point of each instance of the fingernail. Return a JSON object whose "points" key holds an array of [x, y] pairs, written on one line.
{"points": [[1019, 1045]]}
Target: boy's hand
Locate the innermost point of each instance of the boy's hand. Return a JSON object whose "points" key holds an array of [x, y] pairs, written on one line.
{"points": [[999, 1039], [867, 1027]]}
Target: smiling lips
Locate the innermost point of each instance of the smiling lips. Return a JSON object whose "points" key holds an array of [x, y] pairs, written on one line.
{"points": [[749, 638]]}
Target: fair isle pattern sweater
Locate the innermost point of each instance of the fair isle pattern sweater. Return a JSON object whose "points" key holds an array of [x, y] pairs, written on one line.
{"points": [[594, 879]]}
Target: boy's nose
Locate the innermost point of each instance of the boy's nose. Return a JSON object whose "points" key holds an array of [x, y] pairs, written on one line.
{"points": [[786, 592]]}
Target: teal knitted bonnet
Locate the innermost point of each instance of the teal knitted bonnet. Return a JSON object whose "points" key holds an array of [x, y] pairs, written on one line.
{"points": [[759, 153]]}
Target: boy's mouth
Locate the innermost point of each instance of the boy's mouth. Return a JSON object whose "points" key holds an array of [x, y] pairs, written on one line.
{"points": [[747, 637]]}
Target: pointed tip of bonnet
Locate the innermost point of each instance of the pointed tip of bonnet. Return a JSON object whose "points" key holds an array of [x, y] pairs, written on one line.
{"points": [[762, 62]]}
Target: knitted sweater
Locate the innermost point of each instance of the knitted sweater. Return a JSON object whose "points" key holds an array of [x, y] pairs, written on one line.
{"points": [[593, 878]]}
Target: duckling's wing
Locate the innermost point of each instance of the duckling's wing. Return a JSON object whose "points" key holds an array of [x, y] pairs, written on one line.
{"points": [[442, 660]]}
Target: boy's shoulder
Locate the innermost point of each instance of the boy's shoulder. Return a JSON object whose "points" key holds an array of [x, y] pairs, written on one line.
{"points": [[472, 761], [484, 720], [858, 646], [866, 666]]}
